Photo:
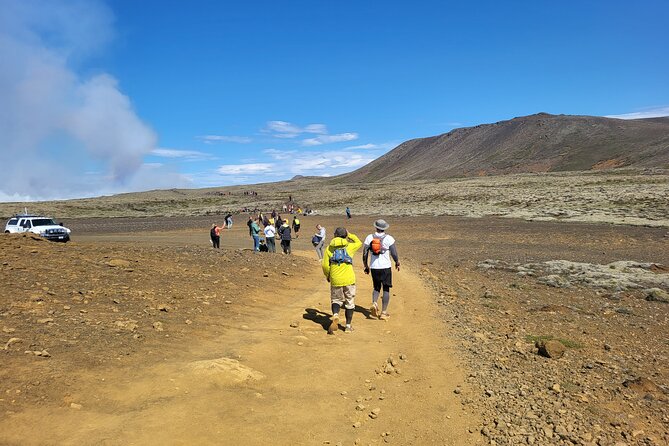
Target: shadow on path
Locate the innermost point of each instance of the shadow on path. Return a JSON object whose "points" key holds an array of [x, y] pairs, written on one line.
{"points": [[323, 319]]}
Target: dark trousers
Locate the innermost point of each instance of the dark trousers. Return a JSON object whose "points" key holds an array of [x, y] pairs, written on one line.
{"points": [[285, 244], [216, 241], [271, 245]]}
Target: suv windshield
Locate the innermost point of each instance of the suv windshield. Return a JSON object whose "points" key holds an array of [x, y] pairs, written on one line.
{"points": [[13, 221], [43, 222]]}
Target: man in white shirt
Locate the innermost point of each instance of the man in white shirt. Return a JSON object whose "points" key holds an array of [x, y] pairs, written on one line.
{"points": [[381, 246]]}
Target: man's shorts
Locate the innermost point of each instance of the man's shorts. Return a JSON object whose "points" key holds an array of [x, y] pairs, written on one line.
{"points": [[343, 295], [382, 277]]}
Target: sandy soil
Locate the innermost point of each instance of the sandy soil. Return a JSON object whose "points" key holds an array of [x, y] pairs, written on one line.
{"points": [[179, 344], [228, 368]]}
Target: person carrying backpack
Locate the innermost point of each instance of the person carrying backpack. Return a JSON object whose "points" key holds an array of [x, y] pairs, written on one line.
{"points": [[284, 233], [382, 247], [296, 226], [318, 240], [337, 266], [215, 234]]}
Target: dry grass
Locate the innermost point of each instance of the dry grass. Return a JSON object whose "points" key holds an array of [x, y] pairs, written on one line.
{"points": [[620, 197]]}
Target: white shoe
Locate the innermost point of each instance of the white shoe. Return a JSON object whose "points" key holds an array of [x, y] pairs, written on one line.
{"points": [[374, 310]]}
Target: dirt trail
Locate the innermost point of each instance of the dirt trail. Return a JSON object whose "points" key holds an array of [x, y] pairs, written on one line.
{"points": [[261, 381]]}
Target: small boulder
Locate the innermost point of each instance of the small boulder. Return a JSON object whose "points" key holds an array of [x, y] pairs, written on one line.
{"points": [[118, 263], [555, 281], [10, 342], [551, 349], [656, 295]]}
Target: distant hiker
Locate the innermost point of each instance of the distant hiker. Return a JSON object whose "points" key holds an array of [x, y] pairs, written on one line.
{"points": [[285, 236], [337, 266], [215, 234], [270, 232], [285, 207], [348, 212], [318, 240], [279, 222], [228, 221], [273, 213], [296, 226], [254, 230], [382, 247]]}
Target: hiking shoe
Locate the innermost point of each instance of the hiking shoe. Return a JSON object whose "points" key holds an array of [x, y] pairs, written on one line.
{"points": [[334, 325], [374, 310], [348, 329], [384, 316]]}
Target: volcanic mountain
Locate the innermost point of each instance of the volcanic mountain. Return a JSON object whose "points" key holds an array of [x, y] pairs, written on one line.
{"points": [[535, 143]]}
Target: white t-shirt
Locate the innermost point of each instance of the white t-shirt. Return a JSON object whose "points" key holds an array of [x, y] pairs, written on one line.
{"points": [[382, 261], [269, 231]]}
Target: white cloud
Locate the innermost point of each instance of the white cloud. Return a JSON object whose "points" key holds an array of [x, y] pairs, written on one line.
{"points": [[284, 129], [176, 153], [322, 163], [362, 147], [6, 198], [319, 129], [280, 154], [657, 112], [54, 123], [244, 169], [209, 139], [328, 139], [382, 146], [326, 162]]}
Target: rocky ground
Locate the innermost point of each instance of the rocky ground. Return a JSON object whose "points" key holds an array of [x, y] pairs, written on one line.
{"points": [[593, 297], [604, 378], [68, 307], [621, 196]]}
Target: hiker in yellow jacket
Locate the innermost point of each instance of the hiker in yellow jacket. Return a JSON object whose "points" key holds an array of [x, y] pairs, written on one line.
{"points": [[338, 269]]}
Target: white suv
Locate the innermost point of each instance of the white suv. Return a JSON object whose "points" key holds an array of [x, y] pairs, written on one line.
{"points": [[42, 226]]}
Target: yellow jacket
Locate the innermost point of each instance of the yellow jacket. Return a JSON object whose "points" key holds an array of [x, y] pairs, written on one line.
{"points": [[341, 275]]}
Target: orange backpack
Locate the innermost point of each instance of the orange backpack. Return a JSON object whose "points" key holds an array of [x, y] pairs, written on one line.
{"points": [[376, 246]]}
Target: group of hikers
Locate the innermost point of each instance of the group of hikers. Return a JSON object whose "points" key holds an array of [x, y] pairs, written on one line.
{"points": [[337, 263], [379, 253], [273, 225]]}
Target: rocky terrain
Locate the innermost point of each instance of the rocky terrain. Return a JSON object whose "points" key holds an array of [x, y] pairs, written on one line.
{"points": [[631, 197], [136, 341], [601, 375], [555, 332]]}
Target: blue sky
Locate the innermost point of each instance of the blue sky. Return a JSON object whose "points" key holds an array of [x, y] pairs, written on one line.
{"points": [[104, 97]]}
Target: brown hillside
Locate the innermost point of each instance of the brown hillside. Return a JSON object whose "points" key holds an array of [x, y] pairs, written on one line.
{"points": [[536, 143]]}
